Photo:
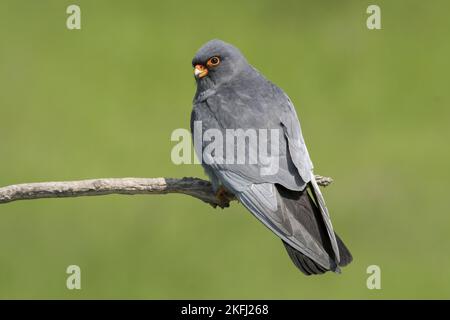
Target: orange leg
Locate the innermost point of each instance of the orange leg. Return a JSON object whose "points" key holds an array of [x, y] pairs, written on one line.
{"points": [[224, 197]]}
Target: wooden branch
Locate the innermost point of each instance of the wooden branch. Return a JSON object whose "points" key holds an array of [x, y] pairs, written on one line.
{"points": [[194, 187]]}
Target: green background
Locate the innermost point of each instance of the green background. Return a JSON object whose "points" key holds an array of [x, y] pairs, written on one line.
{"points": [[103, 101]]}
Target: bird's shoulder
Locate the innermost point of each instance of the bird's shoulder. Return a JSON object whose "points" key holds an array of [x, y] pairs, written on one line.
{"points": [[251, 88]]}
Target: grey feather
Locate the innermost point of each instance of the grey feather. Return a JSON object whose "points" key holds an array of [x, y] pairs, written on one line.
{"points": [[326, 217], [264, 202]]}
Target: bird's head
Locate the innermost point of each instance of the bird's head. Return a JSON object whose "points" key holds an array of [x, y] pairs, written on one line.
{"points": [[217, 62]]}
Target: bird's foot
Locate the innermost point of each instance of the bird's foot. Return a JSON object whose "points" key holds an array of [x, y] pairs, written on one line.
{"points": [[223, 198]]}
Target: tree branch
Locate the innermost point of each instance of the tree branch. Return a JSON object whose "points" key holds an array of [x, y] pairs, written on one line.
{"points": [[194, 187]]}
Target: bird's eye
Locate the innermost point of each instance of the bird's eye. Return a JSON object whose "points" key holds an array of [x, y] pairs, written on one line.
{"points": [[212, 62]]}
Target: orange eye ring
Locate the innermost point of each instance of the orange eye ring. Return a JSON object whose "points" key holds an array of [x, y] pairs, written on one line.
{"points": [[213, 62]]}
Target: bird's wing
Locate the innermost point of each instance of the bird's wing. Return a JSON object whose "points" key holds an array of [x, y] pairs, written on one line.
{"points": [[241, 112], [268, 206], [296, 144], [300, 157]]}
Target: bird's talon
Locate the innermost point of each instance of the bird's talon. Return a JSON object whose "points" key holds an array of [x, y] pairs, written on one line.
{"points": [[223, 198]]}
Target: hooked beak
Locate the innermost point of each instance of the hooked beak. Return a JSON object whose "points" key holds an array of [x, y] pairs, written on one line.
{"points": [[200, 71]]}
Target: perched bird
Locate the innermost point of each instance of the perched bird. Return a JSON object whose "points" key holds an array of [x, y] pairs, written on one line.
{"points": [[231, 94]]}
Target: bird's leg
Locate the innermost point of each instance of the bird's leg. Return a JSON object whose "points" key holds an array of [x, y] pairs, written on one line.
{"points": [[221, 194], [223, 197]]}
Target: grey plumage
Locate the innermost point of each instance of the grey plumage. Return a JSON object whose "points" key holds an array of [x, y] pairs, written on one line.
{"points": [[234, 95]]}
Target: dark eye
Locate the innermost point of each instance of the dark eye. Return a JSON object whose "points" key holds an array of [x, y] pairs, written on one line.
{"points": [[212, 62]]}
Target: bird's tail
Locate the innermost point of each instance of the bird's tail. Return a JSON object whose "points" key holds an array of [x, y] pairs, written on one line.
{"points": [[309, 267], [306, 210]]}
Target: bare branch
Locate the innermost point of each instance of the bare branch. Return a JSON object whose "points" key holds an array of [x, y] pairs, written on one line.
{"points": [[194, 187]]}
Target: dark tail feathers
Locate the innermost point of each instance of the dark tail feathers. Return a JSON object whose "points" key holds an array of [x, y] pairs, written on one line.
{"points": [[309, 267], [306, 211]]}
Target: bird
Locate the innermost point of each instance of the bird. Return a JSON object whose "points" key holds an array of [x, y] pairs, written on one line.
{"points": [[231, 94]]}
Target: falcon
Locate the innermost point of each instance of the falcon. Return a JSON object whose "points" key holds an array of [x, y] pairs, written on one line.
{"points": [[232, 95]]}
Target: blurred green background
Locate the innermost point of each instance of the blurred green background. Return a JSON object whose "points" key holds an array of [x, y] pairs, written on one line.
{"points": [[102, 102]]}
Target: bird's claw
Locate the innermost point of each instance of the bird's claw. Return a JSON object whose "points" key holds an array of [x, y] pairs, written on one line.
{"points": [[223, 198]]}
